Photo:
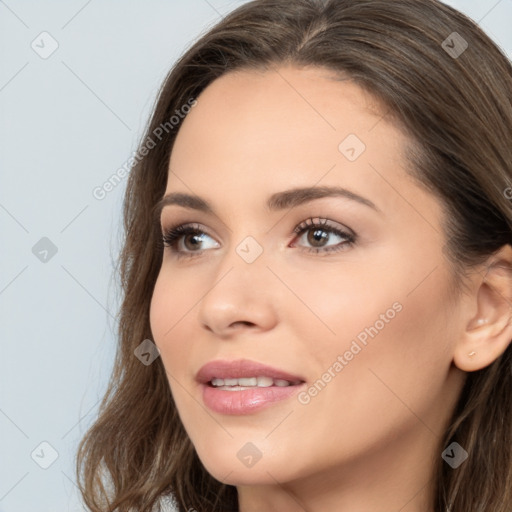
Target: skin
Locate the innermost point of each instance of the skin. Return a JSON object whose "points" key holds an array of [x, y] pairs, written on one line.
{"points": [[369, 439]]}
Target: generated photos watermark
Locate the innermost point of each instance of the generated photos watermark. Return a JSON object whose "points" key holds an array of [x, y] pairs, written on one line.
{"points": [[101, 191], [357, 345]]}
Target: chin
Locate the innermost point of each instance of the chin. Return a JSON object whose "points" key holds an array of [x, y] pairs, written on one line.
{"points": [[229, 469]]}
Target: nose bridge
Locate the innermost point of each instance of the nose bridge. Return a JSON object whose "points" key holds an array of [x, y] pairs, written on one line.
{"points": [[243, 267], [247, 243], [250, 250]]}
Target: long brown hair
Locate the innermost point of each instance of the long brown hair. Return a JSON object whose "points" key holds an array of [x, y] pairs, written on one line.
{"points": [[452, 94]]}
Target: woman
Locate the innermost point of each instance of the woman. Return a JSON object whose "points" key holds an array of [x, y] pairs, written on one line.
{"points": [[316, 281]]}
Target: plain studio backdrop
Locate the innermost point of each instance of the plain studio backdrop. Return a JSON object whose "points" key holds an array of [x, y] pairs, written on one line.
{"points": [[77, 82]]}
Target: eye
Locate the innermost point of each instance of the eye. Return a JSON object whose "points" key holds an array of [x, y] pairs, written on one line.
{"points": [[318, 233], [186, 238]]}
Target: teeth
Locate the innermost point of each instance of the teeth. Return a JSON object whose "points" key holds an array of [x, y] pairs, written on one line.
{"points": [[265, 382], [249, 382], [252, 381]]}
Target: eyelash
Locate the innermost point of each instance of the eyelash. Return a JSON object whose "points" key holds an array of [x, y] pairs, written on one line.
{"points": [[172, 236]]}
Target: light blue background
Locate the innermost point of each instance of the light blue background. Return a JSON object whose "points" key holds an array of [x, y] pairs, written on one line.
{"points": [[67, 123]]}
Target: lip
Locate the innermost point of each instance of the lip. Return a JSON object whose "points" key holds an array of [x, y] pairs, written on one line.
{"points": [[244, 401], [241, 368]]}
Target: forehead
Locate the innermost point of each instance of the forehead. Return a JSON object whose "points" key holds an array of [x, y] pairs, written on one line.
{"points": [[323, 105], [262, 131]]}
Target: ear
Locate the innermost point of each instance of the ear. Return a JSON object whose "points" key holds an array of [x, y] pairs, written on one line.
{"points": [[488, 332]]}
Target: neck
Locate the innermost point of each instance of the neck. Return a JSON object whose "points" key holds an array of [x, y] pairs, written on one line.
{"points": [[387, 479]]}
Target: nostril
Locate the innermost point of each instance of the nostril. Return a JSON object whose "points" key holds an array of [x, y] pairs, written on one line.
{"points": [[242, 322]]}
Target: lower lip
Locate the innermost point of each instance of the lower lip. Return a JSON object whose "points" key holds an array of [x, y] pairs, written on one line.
{"points": [[246, 401]]}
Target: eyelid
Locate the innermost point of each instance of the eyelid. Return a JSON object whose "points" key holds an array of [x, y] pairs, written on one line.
{"points": [[323, 222], [178, 230]]}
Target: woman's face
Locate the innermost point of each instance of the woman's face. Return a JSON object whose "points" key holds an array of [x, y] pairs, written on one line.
{"points": [[345, 293]]}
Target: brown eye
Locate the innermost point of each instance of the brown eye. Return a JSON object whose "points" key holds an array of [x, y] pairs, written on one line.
{"points": [[184, 239], [318, 235], [193, 241]]}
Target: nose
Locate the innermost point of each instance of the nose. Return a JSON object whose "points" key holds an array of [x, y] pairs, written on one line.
{"points": [[242, 296]]}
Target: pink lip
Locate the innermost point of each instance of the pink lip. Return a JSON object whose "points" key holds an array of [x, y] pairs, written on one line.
{"points": [[240, 368], [247, 400]]}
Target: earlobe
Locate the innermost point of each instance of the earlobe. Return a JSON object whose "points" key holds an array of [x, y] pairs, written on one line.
{"points": [[488, 332]]}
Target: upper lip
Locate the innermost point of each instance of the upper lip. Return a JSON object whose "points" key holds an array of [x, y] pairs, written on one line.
{"points": [[240, 368]]}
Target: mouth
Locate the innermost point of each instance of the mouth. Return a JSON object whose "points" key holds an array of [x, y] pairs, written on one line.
{"points": [[250, 382], [244, 386]]}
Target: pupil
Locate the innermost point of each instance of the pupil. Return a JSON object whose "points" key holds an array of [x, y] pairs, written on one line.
{"points": [[194, 240], [319, 235]]}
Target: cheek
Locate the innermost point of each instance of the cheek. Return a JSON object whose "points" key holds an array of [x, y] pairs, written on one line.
{"points": [[339, 302], [170, 307], [393, 337], [372, 294]]}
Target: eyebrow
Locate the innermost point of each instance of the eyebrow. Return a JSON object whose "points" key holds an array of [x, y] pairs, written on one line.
{"points": [[278, 201]]}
